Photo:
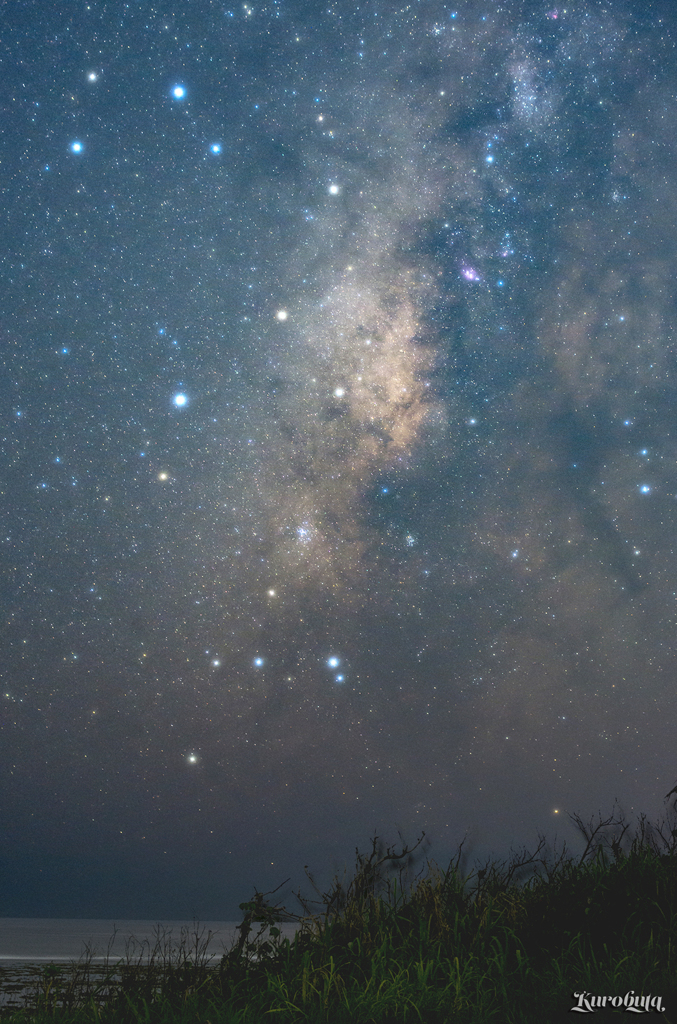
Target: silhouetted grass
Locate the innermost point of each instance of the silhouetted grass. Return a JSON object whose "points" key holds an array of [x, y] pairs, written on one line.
{"points": [[507, 942]]}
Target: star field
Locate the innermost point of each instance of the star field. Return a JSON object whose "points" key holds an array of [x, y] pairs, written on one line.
{"points": [[338, 464]]}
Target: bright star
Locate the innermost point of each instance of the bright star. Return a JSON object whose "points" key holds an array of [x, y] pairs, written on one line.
{"points": [[258, 662], [192, 759], [645, 489], [282, 314], [216, 662], [340, 679], [333, 662], [339, 392], [179, 92], [215, 147], [76, 147], [180, 400], [334, 190], [92, 76]]}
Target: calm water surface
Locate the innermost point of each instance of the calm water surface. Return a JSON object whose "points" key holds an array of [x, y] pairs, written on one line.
{"points": [[57, 939], [28, 944]]}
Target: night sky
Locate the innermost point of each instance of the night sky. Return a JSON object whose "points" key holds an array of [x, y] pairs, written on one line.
{"points": [[338, 474]]}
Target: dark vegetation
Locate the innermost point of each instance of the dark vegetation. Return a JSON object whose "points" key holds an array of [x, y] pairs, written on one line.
{"points": [[404, 941]]}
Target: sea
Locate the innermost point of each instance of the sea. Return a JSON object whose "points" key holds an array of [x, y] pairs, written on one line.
{"points": [[28, 945]]}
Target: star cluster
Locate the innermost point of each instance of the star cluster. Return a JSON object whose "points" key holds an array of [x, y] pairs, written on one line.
{"points": [[339, 473]]}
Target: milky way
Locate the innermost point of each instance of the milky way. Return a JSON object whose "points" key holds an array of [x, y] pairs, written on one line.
{"points": [[339, 464]]}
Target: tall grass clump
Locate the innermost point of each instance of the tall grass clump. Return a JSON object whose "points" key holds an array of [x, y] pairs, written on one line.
{"points": [[402, 940]]}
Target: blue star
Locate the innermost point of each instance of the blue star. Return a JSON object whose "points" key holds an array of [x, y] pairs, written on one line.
{"points": [[333, 662], [179, 92], [180, 400], [76, 147], [215, 148]]}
